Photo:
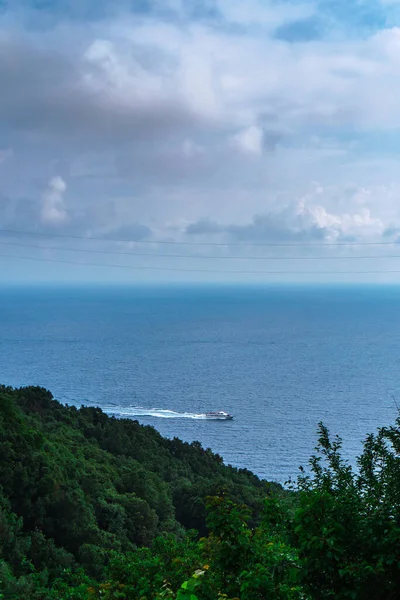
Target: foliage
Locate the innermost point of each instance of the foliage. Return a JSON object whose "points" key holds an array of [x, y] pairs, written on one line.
{"points": [[348, 524], [93, 507], [78, 487]]}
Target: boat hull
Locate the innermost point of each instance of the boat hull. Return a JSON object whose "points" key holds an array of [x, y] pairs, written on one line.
{"points": [[219, 417]]}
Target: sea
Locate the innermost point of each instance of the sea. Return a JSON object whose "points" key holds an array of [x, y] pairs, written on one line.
{"points": [[280, 359]]}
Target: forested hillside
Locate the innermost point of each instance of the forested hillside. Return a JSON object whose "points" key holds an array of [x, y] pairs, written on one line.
{"points": [[93, 507], [77, 484]]}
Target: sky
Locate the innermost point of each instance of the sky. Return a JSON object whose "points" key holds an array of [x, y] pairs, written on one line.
{"points": [[199, 140]]}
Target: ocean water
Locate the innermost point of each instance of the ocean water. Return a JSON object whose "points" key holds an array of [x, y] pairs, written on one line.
{"points": [[280, 359]]}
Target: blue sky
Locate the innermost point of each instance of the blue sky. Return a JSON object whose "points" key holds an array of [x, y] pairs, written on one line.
{"points": [[253, 129]]}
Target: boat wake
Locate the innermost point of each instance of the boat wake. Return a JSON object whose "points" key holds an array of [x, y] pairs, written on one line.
{"points": [[139, 411]]}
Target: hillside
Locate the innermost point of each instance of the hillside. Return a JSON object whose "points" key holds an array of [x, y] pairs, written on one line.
{"points": [[79, 484], [97, 508]]}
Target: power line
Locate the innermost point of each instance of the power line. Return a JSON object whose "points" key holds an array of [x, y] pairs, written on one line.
{"points": [[191, 243], [196, 256], [220, 271]]}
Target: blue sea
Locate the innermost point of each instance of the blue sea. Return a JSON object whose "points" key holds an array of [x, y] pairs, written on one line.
{"points": [[280, 359]]}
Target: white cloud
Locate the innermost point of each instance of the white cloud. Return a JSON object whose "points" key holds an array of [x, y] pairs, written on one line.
{"points": [[53, 210], [264, 12], [235, 78], [198, 84], [302, 220], [250, 140], [167, 120], [359, 225]]}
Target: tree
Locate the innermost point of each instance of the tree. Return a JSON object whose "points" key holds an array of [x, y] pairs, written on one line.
{"points": [[348, 523]]}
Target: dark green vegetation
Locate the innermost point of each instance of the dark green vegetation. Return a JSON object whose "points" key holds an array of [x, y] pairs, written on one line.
{"points": [[93, 507]]}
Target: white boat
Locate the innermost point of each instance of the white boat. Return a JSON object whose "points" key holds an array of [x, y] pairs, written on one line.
{"points": [[219, 415]]}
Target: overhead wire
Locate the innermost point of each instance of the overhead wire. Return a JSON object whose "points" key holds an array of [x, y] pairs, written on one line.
{"points": [[196, 243], [163, 255], [186, 270], [196, 256]]}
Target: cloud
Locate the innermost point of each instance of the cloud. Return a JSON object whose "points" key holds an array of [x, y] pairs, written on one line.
{"points": [[264, 13], [210, 119], [250, 140], [141, 79], [87, 101], [53, 211], [134, 232], [301, 221], [204, 227]]}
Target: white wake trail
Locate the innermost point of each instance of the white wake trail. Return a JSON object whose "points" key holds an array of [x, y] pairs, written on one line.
{"points": [[139, 411]]}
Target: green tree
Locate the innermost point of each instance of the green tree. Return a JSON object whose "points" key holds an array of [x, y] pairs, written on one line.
{"points": [[348, 523]]}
